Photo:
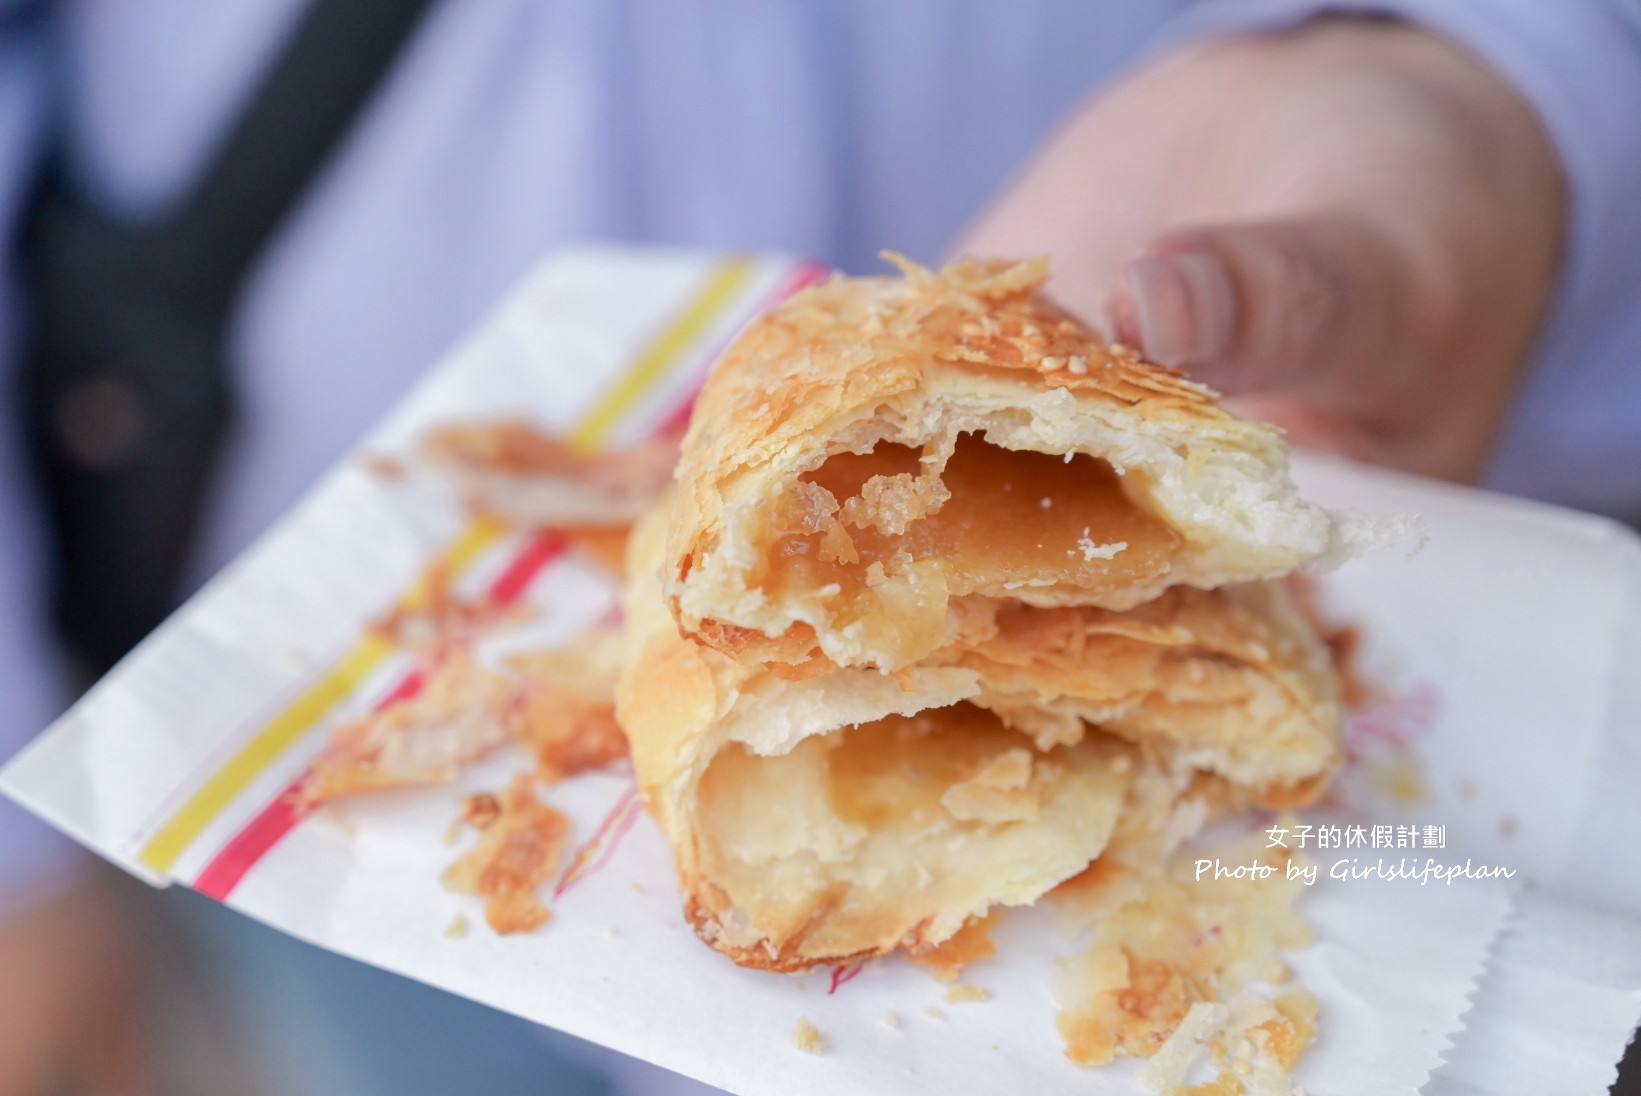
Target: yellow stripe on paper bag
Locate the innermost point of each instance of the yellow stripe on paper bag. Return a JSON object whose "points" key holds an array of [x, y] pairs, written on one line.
{"points": [[651, 364]]}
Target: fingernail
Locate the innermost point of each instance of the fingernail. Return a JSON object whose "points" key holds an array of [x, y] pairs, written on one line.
{"points": [[1184, 306]]}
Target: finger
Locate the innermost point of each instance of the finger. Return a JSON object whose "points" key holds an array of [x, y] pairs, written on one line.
{"points": [[1306, 305]]}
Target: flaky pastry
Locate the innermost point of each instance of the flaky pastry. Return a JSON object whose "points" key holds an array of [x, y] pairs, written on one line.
{"points": [[876, 449]]}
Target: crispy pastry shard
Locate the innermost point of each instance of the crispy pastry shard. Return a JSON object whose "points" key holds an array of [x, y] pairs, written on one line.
{"points": [[513, 471], [559, 703], [877, 450], [458, 716], [566, 713], [969, 944], [517, 852]]}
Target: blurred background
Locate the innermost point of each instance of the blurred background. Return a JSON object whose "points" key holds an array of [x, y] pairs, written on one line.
{"points": [[235, 233]]}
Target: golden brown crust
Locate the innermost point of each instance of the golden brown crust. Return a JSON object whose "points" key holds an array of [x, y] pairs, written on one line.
{"points": [[849, 341]]}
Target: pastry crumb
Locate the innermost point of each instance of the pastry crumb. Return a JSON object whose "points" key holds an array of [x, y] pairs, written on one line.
{"points": [[934, 1013], [383, 467], [891, 1019], [479, 810], [963, 992], [565, 713], [806, 1038], [457, 927], [1093, 550], [969, 944]]}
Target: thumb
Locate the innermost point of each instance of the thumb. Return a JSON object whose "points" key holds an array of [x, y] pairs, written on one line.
{"points": [[1314, 305]]}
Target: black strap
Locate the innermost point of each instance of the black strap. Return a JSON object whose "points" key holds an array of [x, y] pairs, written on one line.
{"points": [[305, 106], [125, 383]]}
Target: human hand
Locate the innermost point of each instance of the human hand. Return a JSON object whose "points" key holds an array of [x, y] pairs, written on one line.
{"points": [[70, 1016], [1351, 228]]}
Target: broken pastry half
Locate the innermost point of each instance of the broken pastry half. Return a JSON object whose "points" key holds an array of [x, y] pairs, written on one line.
{"points": [[876, 449], [824, 813]]}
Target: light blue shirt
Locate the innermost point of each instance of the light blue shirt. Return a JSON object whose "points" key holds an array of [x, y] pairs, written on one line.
{"points": [[511, 126]]}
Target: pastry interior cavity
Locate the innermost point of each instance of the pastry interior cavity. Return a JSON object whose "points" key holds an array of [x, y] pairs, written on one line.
{"points": [[877, 543], [898, 829]]}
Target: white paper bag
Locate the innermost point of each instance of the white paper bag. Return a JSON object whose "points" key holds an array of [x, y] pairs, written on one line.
{"points": [[1511, 642]]}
